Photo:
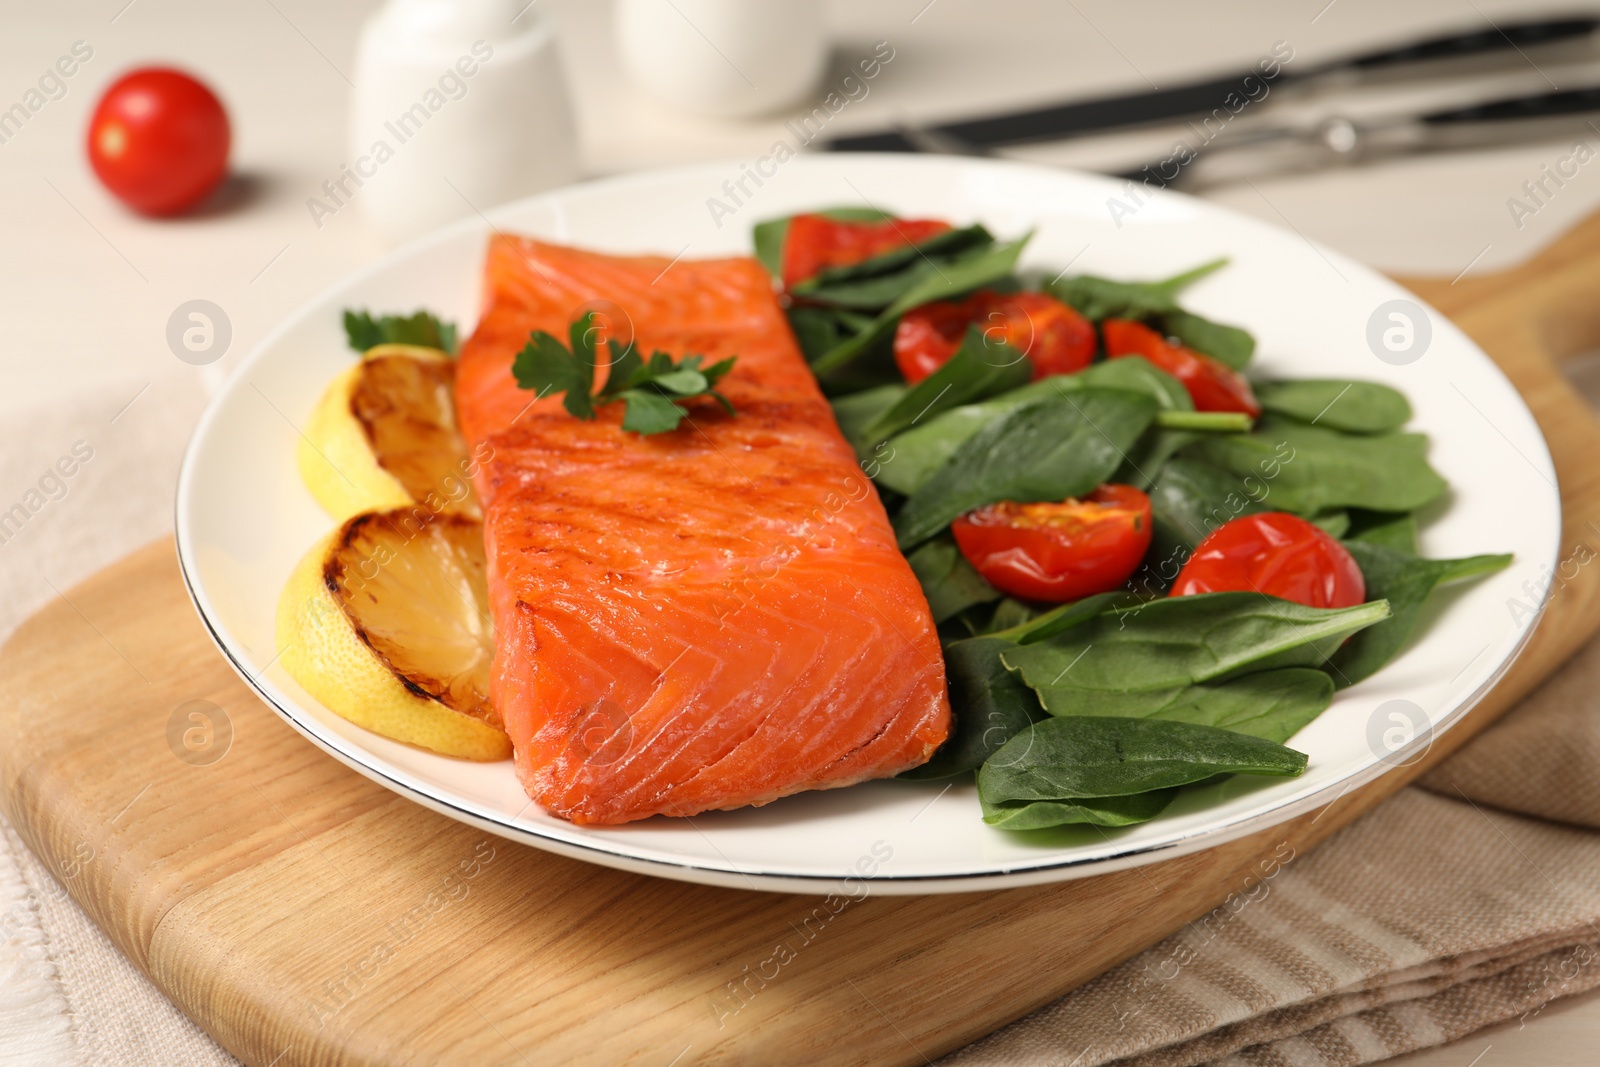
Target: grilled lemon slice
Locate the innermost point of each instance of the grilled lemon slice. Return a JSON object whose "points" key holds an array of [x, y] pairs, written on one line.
{"points": [[386, 622], [384, 435]]}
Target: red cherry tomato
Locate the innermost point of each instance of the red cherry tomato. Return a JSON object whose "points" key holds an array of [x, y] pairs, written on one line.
{"points": [[1058, 552], [1278, 554], [159, 140], [928, 336], [815, 242], [1212, 384], [1051, 334]]}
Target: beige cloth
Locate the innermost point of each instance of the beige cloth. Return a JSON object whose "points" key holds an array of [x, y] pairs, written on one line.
{"points": [[1465, 903], [67, 996]]}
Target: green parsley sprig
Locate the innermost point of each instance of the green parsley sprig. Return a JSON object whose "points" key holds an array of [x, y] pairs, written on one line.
{"points": [[419, 328], [653, 389]]}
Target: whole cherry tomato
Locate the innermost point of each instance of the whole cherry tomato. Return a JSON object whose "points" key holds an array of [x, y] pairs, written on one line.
{"points": [[1278, 554], [815, 242], [1212, 384], [1058, 552], [159, 140], [1054, 337]]}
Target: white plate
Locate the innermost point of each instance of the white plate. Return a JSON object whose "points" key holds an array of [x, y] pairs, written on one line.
{"points": [[243, 518]]}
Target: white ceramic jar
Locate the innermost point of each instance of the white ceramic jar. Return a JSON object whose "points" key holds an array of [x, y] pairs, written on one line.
{"points": [[724, 58], [459, 105]]}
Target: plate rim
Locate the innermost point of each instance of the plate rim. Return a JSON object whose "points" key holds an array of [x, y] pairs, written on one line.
{"points": [[725, 872]]}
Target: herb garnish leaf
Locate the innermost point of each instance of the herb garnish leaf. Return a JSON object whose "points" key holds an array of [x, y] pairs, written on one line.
{"points": [[651, 389], [551, 367], [419, 328]]}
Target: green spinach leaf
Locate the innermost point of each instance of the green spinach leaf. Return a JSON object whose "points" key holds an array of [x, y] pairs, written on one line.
{"points": [[1406, 582], [1174, 642], [1319, 470], [870, 295], [948, 581], [1189, 499], [1010, 612], [1088, 757], [978, 268], [1269, 704], [1391, 530], [1101, 298], [1229, 344], [1150, 455], [922, 450], [1354, 407], [856, 411], [818, 329], [1051, 449], [875, 283], [1096, 811], [1136, 374], [1064, 617], [990, 704], [980, 369], [1333, 523]]}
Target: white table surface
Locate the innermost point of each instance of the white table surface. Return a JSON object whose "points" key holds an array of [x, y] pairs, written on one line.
{"points": [[86, 288]]}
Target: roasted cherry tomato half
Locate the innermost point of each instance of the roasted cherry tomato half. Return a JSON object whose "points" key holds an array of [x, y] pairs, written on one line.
{"points": [[1058, 552], [159, 140], [815, 242], [1054, 337], [1212, 384], [1275, 553]]}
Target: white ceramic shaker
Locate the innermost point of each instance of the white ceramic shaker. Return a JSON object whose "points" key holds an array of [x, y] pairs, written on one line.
{"points": [[459, 105], [726, 58]]}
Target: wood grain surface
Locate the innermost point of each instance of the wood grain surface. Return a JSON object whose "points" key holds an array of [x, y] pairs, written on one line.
{"points": [[304, 915]]}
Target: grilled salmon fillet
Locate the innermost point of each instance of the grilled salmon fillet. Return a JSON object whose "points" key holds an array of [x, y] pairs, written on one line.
{"points": [[695, 620]]}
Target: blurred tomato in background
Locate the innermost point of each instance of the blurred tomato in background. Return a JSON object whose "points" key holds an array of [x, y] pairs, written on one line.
{"points": [[159, 140]]}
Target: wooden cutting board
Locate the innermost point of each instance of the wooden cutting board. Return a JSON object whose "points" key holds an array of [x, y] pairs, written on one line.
{"points": [[304, 915]]}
